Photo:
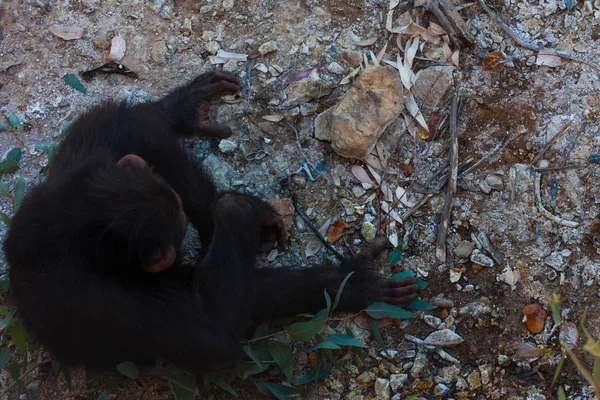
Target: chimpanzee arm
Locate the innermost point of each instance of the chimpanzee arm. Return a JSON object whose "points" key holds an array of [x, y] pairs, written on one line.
{"points": [[287, 291]]}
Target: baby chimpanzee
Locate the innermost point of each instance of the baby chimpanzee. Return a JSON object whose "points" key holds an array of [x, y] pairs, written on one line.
{"points": [[90, 249]]}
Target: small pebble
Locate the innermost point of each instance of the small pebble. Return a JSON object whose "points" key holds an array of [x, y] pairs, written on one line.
{"points": [[432, 321], [227, 146], [443, 338], [464, 249], [495, 182]]}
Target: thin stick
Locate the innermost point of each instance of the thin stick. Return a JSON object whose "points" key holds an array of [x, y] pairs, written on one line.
{"points": [[546, 213], [442, 235], [484, 158], [568, 166], [550, 143], [30, 370], [314, 228], [528, 45]]}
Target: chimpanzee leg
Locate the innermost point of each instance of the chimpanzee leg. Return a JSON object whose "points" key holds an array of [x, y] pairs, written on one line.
{"points": [[283, 292], [188, 105]]}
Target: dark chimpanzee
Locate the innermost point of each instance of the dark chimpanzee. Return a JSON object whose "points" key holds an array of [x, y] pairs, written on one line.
{"points": [[90, 249]]}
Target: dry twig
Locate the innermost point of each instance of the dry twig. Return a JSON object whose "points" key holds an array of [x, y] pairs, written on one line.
{"points": [[531, 46], [550, 143], [546, 213], [445, 12], [440, 248]]}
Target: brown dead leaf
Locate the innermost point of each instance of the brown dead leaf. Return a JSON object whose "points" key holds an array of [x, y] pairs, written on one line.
{"points": [[67, 32], [408, 170], [535, 317], [315, 244], [362, 320], [495, 61], [367, 42], [335, 231]]}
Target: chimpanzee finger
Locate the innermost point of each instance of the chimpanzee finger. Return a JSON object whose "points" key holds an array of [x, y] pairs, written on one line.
{"points": [[402, 291], [396, 283], [400, 301], [224, 76], [372, 250], [211, 129], [219, 87]]}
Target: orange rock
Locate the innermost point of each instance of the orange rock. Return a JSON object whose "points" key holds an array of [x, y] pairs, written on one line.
{"points": [[445, 313], [535, 317]]}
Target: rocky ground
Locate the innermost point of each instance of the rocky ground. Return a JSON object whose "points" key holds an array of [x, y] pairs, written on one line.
{"points": [[525, 218]]}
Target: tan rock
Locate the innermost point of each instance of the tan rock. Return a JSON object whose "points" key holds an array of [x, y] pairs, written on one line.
{"points": [[432, 84], [464, 249], [352, 57], [285, 208], [355, 124], [305, 90]]}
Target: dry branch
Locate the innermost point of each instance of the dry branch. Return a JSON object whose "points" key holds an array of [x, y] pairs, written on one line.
{"points": [[442, 234], [446, 14]]}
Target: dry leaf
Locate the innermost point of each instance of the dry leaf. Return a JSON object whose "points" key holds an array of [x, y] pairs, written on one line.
{"points": [[389, 20], [273, 118], [374, 162], [375, 175], [67, 32], [387, 192], [315, 244], [351, 75], [360, 174], [413, 109], [394, 4], [403, 197], [367, 42], [455, 57], [383, 153], [335, 231], [362, 320], [411, 51], [548, 58], [510, 276], [118, 46], [382, 52], [535, 317], [404, 73], [436, 29], [408, 170], [495, 61], [374, 58], [414, 29], [446, 47], [410, 125], [232, 56]]}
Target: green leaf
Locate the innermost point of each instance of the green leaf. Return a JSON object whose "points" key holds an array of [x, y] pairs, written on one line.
{"points": [[5, 218], [421, 284], [65, 129], [303, 331], [404, 274], [395, 256], [311, 376], [15, 371], [418, 304], [4, 189], [262, 330], [73, 81], [281, 392], [328, 344], [8, 167], [182, 385], [223, 384], [345, 340], [375, 329], [14, 120], [282, 354], [596, 370], [18, 194], [248, 350], [102, 396], [321, 315], [380, 310], [128, 369], [244, 370], [340, 290], [561, 393], [18, 334], [327, 300], [49, 147], [14, 154], [4, 357], [3, 127], [558, 369]]}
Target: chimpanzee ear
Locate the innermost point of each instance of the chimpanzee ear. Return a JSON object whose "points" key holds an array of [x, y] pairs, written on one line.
{"points": [[131, 161], [162, 259]]}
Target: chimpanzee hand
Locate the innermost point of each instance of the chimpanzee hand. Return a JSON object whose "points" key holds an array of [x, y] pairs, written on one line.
{"points": [[258, 219], [367, 286], [189, 105]]}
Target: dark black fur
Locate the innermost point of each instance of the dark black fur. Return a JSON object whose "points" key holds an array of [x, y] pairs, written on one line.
{"points": [[80, 240]]}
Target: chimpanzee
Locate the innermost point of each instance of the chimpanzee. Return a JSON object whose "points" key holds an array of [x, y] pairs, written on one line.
{"points": [[91, 248]]}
